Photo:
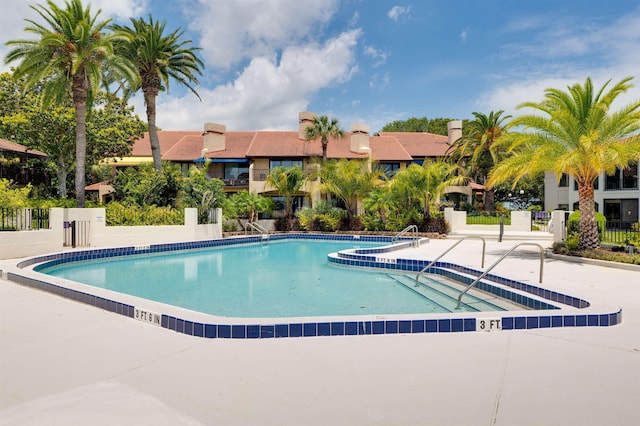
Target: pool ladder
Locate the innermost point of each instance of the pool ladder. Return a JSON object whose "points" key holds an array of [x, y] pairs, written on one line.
{"points": [[507, 253], [414, 231], [484, 274], [426, 268], [255, 226]]}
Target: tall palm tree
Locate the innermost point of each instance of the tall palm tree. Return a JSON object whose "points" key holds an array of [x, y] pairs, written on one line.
{"points": [[476, 148], [158, 57], [576, 134], [287, 181], [323, 127], [425, 184], [69, 53]]}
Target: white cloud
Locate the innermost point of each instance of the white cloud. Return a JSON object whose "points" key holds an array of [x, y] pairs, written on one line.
{"points": [[379, 57], [463, 35], [234, 30], [397, 12], [268, 94]]}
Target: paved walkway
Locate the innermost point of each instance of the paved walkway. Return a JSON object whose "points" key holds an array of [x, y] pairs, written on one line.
{"points": [[64, 363]]}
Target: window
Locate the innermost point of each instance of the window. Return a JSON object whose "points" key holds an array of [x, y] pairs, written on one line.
{"points": [[626, 178], [564, 181], [621, 213], [390, 169], [234, 170], [630, 177], [285, 163]]}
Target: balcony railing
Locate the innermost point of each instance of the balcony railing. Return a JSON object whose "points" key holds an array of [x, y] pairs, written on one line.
{"points": [[260, 175], [24, 175]]}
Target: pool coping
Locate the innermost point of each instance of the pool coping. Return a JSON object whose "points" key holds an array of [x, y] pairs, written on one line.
{"points": [[576, 312]]}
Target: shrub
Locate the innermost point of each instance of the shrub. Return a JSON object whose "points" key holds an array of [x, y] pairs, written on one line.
{"points": [[372, 222], [13, 197], [573, 223], [285, 225], [132, 215]]}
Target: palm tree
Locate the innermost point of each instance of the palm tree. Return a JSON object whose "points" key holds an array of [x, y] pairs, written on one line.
{"points": [[69, 53], [158, 58], [577, 135], [349, 180], [287, 181], [477, 149], [425, 184], [324, 128]]}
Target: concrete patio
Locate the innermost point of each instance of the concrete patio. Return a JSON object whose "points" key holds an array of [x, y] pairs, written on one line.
{"points": [[65, 363]]}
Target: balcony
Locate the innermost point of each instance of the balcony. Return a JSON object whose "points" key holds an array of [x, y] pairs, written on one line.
{"points": [[260, 175], [24, 175]]}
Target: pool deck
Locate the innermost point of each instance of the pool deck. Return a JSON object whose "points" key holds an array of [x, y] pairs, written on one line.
{"points": [[62, 363]]}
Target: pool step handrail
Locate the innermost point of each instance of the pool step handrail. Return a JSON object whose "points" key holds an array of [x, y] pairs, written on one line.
{"points": [[500, 259], [426, 268], [414, 231], [257, 227]]}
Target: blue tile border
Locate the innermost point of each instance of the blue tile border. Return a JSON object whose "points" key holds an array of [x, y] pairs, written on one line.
{"points": [[547, 318]]}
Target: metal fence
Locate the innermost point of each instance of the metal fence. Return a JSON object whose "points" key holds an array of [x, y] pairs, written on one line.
{"points": [[76, 233], [207, 216], [610, 232], [23, 219]]}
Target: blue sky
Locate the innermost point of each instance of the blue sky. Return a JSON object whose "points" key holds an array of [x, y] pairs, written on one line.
{"points": [[376, 61]]}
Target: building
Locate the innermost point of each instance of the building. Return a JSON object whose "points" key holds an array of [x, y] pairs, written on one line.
{"points": [[244, 159], [22, 165], [616, 196]]}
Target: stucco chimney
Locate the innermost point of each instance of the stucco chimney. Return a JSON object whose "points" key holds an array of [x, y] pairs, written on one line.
{"points": [[454, 131], [214, 137], [305, 119], [359, 137]]}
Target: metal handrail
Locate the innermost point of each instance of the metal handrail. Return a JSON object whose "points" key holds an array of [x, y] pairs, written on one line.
{"points": [[508, 252], [409, 228], [484, 244], [255, 226]]}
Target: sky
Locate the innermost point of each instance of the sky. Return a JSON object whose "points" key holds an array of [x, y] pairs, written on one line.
{"points": [[375, 61]]}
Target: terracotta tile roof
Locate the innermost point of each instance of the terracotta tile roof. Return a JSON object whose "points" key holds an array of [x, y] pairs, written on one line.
{"points": [[420, 144], [6, 145], [385, 148], [388, 146], [237, 145], [167, 138]]}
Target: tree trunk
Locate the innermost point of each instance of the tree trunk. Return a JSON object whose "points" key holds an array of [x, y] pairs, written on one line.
{"points": [[80, 103], [589, 239], [150, 101], [61, 174], [489, 200], [324, 143]]}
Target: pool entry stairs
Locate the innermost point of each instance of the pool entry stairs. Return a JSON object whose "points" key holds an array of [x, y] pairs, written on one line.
{"points": [[446, 296]]}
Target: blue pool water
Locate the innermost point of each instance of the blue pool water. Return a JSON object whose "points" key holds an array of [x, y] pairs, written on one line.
{"points": [[278, 279]]}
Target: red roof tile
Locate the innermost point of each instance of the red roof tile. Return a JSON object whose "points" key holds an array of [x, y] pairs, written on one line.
{"points": [[420, 144], [388, 146], [6, 145]]}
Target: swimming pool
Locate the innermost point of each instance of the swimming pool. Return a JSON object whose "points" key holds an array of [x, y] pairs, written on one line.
{"points": [[287, 278], [562, 310]]}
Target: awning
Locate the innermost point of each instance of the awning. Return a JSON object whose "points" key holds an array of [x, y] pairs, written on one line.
{"points": [[222, 160], [127, 161]]}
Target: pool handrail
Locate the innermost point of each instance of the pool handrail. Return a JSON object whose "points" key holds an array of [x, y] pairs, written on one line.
{"points": [[411, 228], [477, 237], [500, 259], [255, 226]]}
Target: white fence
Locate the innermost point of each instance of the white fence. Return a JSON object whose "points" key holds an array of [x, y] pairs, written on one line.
{"points": [[519, 228], [18, 244]]}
